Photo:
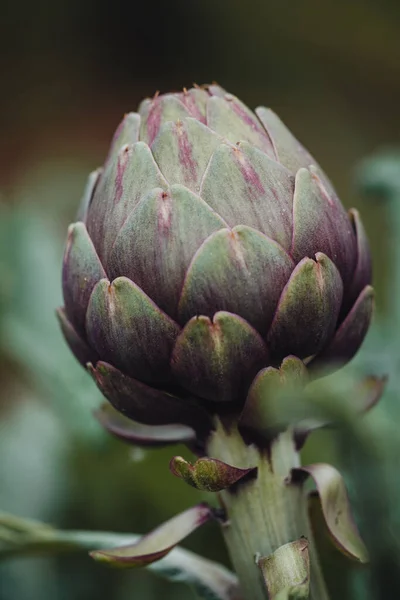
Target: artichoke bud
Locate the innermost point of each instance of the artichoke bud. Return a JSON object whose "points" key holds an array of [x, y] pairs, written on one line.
{"points": [[209, 247]]}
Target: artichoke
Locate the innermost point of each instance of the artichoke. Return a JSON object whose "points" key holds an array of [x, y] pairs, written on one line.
{"points": [[209, 247]]}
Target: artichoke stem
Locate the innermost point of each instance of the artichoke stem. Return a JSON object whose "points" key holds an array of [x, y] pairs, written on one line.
{"points": [[265, 512]]}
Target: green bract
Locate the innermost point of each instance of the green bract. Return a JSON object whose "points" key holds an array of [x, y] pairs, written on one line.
{"points": [[209, 247]]}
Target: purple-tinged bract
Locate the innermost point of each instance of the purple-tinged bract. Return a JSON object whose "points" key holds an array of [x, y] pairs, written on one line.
{"points": [[209, 246]]}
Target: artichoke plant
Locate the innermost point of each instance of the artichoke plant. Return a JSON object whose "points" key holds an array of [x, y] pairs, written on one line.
{"points": [[209, 247], [210, 257]]}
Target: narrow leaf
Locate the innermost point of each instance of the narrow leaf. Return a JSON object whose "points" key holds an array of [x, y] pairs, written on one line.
{"points": [[336, 509], [210, 580], [158, 543], [25, 537], [369, 392], [142, 435], [366, 395]]}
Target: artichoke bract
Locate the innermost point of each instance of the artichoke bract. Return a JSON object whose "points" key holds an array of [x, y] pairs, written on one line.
{"points": [[209, 247]]}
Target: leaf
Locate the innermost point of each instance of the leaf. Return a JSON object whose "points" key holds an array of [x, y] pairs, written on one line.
{"points": [[25, 537], [158, 543], [369, 391], [365, 396], [210, 580], [286, 572], [336, 509], [208, 474], [28, 537], [331, 400], [30, 245], [138, 434]]}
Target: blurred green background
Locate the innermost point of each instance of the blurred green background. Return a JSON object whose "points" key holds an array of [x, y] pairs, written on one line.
{"points": [[70, 70]]}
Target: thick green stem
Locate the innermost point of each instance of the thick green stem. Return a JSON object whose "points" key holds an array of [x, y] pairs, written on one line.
{"points": [[265, 512]]}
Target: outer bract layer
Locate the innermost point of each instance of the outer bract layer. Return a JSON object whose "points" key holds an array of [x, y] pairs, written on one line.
{"points": [[210, 246]]}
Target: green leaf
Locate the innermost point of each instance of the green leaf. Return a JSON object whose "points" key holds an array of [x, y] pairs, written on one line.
{"points": [[337, 399], [28, 537], [31, 246], [25, 537]]}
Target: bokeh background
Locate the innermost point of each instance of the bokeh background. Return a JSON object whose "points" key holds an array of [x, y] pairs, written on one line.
{"points": [[70, 70]]}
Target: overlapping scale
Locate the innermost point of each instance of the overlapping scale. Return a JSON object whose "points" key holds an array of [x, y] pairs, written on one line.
{"points": [[157, 111], [308, 309], [351, 333], [158, 241], [128, 176], [195, 101], [128, 330], [127, 132], [147, 404], [87, 196], [183, 150], [362, 275], [320, 224], [82, 270], [240, 271], [289, 152], [217, 359], [230, 118], [247, 188]]}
